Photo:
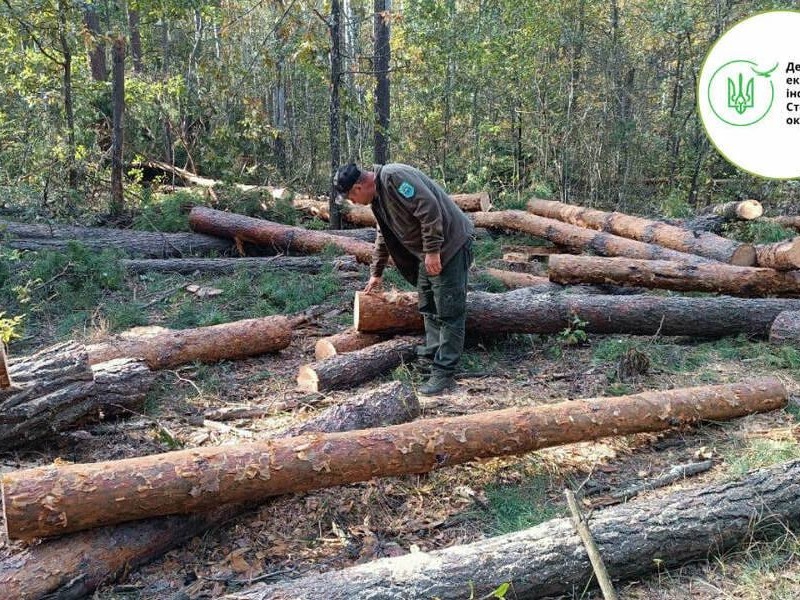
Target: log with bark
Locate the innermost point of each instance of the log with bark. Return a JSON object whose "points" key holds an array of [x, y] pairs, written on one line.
{"points": [[280, 237], [206, 182], [784, 256], [580, 239], [73, 566], [5, 380], [162, 348], [708, 245], [153, 244], [720, 278], [786, 328], [742, 210], [542, 285], [788, 221], [59, 499], [353, 368], [348, 340], [522, 311], [56, 389], [549, 560], [187, 266]]}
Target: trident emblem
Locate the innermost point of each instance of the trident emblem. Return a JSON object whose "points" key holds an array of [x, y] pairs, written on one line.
{"points": [[742, 99]]}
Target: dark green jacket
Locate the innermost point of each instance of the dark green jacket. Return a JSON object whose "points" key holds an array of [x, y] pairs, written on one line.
{"points": [[415, 217]]}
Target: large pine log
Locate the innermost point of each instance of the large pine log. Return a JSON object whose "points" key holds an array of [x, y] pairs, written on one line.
{"points": [[721, 278], [187, 266], [165, 348], [708, 245], [743, 210], [59, 499], [348, 340], [152, 244], [56, 389], [207, 182], [786, 328], [542, 285], [353, 368], [280, 237], [549, 560], [521, 311], [580, 239], [784, 256], [73, 566]]}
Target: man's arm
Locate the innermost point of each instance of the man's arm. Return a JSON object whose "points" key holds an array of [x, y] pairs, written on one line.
{"points": [[380, 258], [425, 207]]}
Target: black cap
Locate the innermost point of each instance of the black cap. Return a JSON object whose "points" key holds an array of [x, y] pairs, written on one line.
{"points": [[345, 178]]}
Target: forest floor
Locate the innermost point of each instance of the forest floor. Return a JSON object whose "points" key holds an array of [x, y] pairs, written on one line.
{"points": [[331, 529]]}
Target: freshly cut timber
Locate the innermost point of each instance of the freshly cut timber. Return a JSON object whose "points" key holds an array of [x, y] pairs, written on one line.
{"points": [[5, 380], [523, 311], [743, 210], [59, 499], [187, 266], [542, 285], [721, 278], [474, 202], [704, 244], [578, 238], [73, 566], [786, 328], [549, 560], [349, 370], [161, 348], [280, 237], [56, 389], [154, 244], [348, 340], [784, 256], [206, 182]]}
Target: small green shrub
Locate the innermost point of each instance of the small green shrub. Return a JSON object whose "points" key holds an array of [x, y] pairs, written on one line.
{"points": [[515, 507], [166, 212]]}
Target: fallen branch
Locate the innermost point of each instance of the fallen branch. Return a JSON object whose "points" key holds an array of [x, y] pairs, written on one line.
{"points": [[595, 558]]}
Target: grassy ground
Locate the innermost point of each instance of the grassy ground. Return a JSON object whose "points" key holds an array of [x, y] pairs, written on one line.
{"points": [[82, 295]]}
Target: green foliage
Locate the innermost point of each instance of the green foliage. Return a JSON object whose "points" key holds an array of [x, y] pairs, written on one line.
{"points": [[758, 231], [487, 283], [166, 212], [487, 249], [574, 334], [676, 206], [124, 315], [759, 453], [10, 327], [514, 507], [255, 203]]}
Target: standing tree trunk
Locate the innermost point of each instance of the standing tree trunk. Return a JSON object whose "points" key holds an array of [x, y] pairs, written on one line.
{"points": [[117, 135], [97, 49], [69, 111], [335, 118], [382, 58], [59, 499], [136, 39]]}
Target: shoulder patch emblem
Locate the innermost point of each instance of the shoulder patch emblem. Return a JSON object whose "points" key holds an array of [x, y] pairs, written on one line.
{"points": [[406, 190]]}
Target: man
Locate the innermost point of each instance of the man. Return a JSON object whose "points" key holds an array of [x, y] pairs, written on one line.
{"points": [[430, 240]]}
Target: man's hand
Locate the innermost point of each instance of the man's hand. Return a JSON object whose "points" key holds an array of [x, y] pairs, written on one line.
{"points": [[373, 285], [433, 263]]}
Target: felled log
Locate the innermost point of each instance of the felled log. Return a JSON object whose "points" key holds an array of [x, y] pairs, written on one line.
{"points": [[207, 182], [522, 311], [784, 256], [165, 348], [365, 234], [280, 237], [786, 328], [675, 473], [580, 239], [708, 245], [514, 280], [73, 566], [788, 221], [663, 274], [743, 210], [549, 560], [56, 389], [353, 368], [473, 202], [5, 380], [534, 252], [348, 340], [59, 499], [154, 244], [187, 266]]}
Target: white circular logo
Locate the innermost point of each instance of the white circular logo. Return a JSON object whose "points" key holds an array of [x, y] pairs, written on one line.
{"points": [[749, 95]]}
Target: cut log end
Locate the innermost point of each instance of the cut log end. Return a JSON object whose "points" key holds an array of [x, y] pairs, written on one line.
{"points": [[307, 379], [324, 348], [744, 256], [748, 210], [786, 328]]}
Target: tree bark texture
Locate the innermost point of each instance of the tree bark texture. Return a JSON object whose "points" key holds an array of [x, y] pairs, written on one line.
{"points": [[346, 341], [59, 499], [226, 341], [788, 221], [117, 129], [523, 311], [56, 389], [786, 328], [580, 239], [708, 245], [354, 368], [382, 53], [5, 379], [720, 278], [515, 280], [784, 256], [97, 49], [187, 266], [743, 210], [73, 566], [266, 233], [152, 244], [549, 559]]}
